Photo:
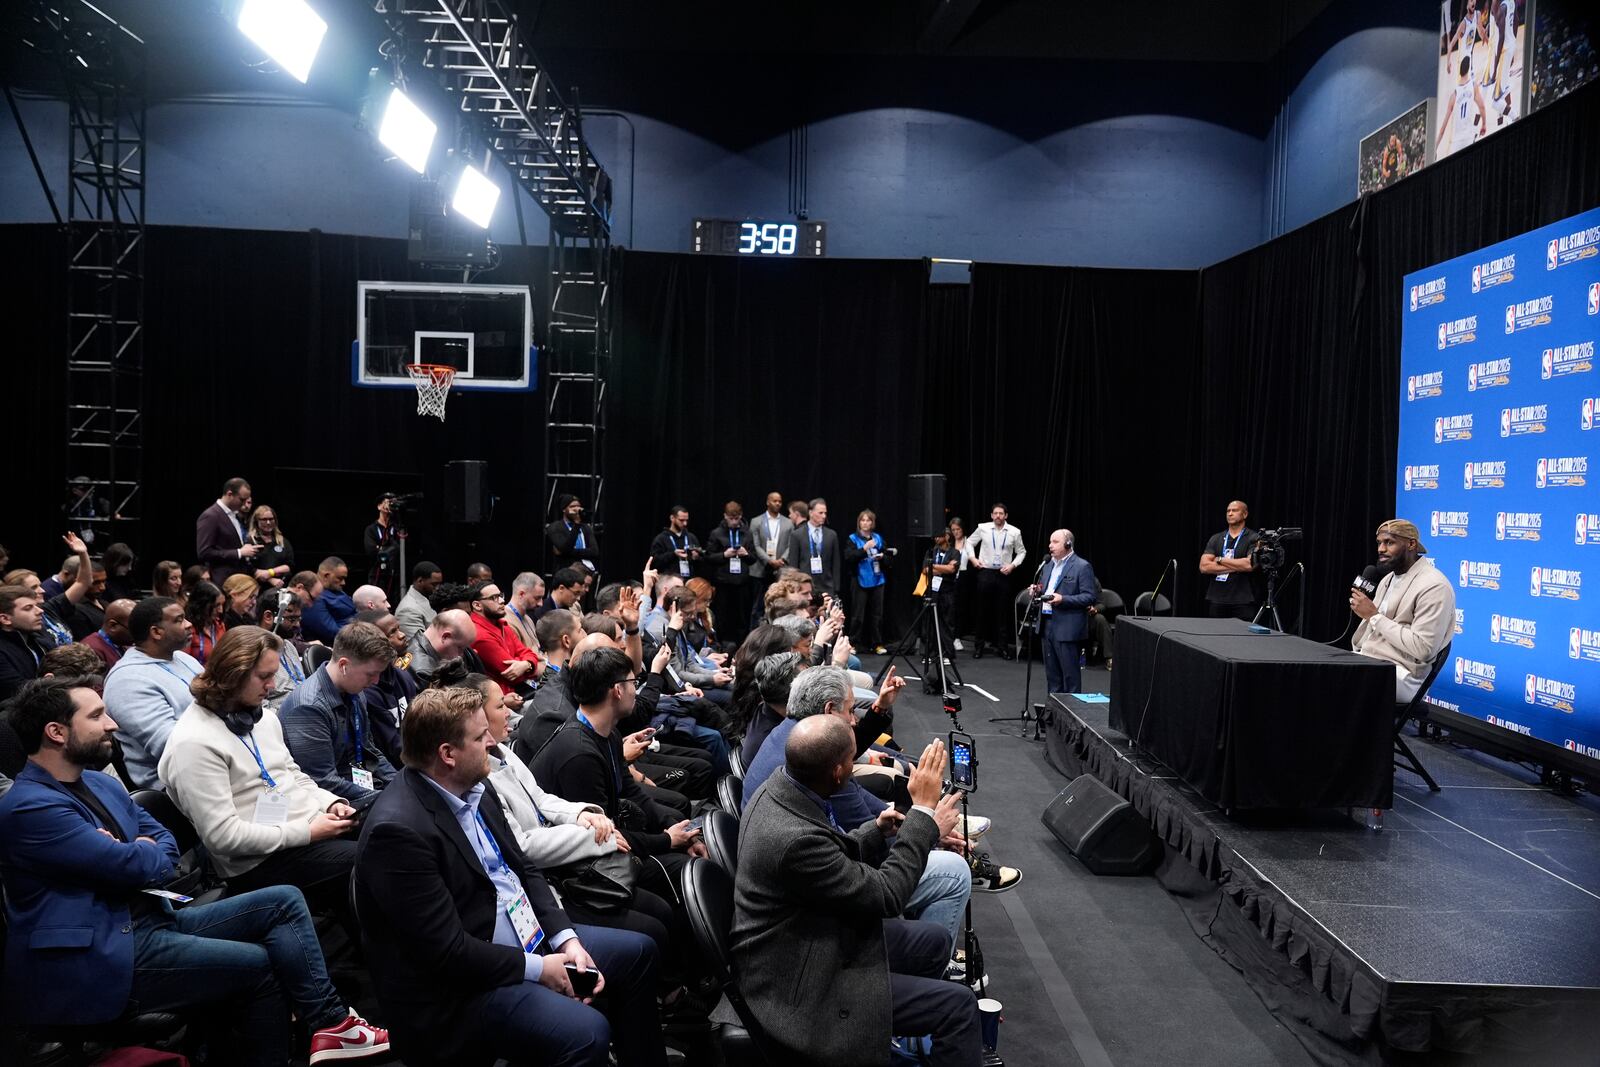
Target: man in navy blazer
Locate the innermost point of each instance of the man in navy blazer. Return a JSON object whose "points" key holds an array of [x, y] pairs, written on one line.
{"points": [[219, 534], [1066, 581], [87, 941]]}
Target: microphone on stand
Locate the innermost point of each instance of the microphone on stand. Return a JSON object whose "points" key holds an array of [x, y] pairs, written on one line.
{"points": [[1172, 565]]}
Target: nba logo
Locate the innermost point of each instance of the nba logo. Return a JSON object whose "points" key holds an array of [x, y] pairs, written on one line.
{"points": [[1535, 585], [1539, 475], [1582, 529], [1527, 689], [1511, 318], [1594, 299], [1472, 378], [1588, 413], [1463, 574], [1467, 479], [1477, 273], [1505, 422], [1546, 364], [1499, 526], [1550, 256], [1494, 628], [1433, 523], [1408, 478], [1441, 335], [1458, 670], [1438, 430], [1574, 643], [1414, 297], [1411, 387]]}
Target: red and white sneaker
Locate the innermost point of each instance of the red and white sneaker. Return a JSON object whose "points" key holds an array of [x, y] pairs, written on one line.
{"points": [[353, 1039]]}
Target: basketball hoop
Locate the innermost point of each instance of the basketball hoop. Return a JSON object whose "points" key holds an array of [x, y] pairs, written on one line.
{"points": [[433, 382]]}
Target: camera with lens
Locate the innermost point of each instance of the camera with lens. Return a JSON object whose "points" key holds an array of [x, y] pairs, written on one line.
{"points": [[1268, 552]]}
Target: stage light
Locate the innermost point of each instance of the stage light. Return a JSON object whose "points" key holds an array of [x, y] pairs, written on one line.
{"points": [[475, 196], [406, 131], [287, 30]]}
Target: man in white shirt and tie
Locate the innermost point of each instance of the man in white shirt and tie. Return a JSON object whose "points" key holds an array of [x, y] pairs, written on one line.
{"points": [[995, 549], [1068, 589], [219, 535]]}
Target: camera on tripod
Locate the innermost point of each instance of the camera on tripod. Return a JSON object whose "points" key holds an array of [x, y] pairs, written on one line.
{"points": [[1268, 552]]}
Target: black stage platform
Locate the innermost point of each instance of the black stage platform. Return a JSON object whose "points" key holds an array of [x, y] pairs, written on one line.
{"points": [[1468, 926]]}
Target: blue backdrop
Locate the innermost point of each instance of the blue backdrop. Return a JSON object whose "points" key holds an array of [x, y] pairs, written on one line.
{"points": [[1499, 438]]}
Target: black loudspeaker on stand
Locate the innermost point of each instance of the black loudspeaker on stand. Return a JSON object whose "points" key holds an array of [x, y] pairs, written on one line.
{"points": [[1100, 828], [925, 496], [466, 491]]}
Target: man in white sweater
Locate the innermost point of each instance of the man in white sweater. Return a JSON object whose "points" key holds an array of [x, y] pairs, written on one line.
{"points": [[263, 820], [1409, 617]]}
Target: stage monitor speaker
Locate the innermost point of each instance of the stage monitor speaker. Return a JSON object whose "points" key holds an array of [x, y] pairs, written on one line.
{"points": [[466, 490], [1101, 829], [926, 492]]}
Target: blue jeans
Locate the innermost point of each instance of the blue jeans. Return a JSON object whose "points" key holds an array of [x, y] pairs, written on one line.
{"points": [[704, 737], [941, 894], [256, 953], [527, 1022]]}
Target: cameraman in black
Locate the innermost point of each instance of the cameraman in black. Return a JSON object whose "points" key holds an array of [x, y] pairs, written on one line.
{"points": [[1228, 564], [382, 542]]}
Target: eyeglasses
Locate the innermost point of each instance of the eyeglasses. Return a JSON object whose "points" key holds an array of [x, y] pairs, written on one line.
{"points": [[493, 596]]}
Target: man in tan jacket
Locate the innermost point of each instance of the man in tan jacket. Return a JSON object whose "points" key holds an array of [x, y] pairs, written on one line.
{"points": [[1409, 617]]}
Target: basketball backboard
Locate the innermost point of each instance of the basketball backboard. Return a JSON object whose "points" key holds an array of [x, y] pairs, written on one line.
{"points": [[484, 331]]}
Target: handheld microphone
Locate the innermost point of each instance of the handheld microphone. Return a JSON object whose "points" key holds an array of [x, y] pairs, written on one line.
{"points": [[1367, 581]]}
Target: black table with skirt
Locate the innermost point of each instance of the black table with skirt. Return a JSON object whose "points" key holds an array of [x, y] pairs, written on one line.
{"points": [[1256, 721]]}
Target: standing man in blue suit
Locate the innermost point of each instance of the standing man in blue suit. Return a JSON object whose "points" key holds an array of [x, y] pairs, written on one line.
{"points": [[1068, 587], [88, 939]]}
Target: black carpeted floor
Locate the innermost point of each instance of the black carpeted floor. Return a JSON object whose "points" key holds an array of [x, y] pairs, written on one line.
{"points": [[1091, 970]]}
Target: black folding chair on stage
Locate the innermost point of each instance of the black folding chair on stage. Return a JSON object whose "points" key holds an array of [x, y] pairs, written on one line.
{"points": [[1415, 708]]}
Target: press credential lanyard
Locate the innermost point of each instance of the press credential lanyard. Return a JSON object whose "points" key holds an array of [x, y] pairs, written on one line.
{"points": [[518, 909], [1227, 551], [272, 807]]}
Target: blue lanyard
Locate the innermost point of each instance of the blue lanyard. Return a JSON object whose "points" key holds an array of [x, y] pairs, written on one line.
{"points": [[938, 557], [611, 757], [1227, 545], [513, 609], [248, 741], [1057, 569], [166, 665], [483, 828], [1005, 540], [106, 638], [578, 542], [291, 663], [358, 732], [674, 539]]}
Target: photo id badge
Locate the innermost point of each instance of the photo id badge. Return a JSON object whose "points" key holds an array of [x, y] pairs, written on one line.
{"points": [[816, 564], [272, 809], [735, 565], [772, 548], [523, 921], [683, 567], [1227, 553], [938, 580], [362, 777]]}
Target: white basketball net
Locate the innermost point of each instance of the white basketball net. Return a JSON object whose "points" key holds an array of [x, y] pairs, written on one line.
{"points": [[433, 382]]}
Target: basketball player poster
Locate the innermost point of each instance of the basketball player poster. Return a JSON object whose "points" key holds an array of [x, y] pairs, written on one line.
{"points": [[1397, 149], [1482, 76]]}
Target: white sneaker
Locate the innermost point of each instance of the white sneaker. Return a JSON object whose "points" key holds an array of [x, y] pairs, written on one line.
{"points": [[959, 647], [977, 826]]}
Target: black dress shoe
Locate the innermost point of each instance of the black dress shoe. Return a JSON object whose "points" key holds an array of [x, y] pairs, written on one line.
{"points": [[977, 652], [1007, 655]]}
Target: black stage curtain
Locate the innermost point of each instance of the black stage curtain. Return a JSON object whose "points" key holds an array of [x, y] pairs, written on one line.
{"points": [[1068, 401], [736, 377]]}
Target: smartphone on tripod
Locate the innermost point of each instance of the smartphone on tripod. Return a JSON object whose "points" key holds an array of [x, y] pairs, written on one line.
{"points": [[963, 762]]}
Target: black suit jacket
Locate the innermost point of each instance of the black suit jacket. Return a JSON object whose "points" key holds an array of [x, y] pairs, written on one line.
{"points": [[428, 911], [829, 581], [217, 544]]}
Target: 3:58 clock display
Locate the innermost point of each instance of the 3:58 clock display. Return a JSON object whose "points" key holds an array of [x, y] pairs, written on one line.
{"points": [[758, 237]]}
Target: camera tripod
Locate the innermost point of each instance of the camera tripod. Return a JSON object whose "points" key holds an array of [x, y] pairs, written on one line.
{"points": [[1024, 644], [933, 658]]}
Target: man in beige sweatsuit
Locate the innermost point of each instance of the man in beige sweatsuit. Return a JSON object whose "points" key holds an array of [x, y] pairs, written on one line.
{"points": [[1409, 617]]}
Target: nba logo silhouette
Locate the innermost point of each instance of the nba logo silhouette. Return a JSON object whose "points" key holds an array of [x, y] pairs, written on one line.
{"points": [[1511, 318], [1581, 530], [1527, 689], [1594, 298], [1463, 574], [1413, 298], [1467, 479], [1411, 387], [1458, 670], [1505, 422], [1441, 335], [1494, 628], [1408, 478], [1574, 643], [1477, 273], [1438, 430], [1535, 584], [1540, 474], [1550, 256], [1433, 523], [1588, 413], [1546, 364], [1472, 378], [1499, 526]]}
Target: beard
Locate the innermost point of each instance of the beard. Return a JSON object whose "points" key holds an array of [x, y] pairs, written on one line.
{"points": [[90, 755]]}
